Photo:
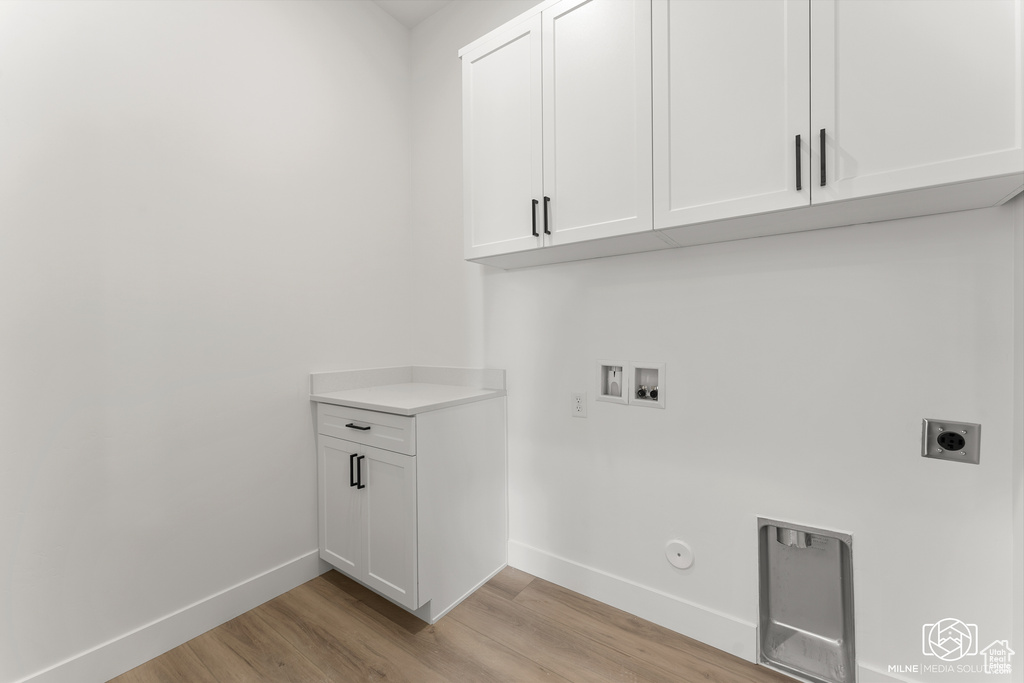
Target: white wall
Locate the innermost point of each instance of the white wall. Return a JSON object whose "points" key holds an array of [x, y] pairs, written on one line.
{"points": [[200, 203], [449, 298], [799, 369]]}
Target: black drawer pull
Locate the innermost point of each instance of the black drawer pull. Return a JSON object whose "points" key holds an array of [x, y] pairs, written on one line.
{"points": [[359, 473], [547, 200], [533, 213], [355, 426], [352, 470]]}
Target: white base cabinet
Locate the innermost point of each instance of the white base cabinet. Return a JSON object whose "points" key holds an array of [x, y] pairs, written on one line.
{"points": [[413, 507]]}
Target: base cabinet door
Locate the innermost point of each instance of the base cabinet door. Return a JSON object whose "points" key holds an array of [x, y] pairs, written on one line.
{"points": [[390, 545], [367, 508], [913, 94], [341, 516]]}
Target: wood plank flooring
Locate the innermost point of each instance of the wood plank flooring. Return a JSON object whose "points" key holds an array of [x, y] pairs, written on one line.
{"points": [[517, 628]]}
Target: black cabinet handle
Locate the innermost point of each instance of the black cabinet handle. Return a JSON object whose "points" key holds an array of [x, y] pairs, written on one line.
{"points": [[533, 215], [352, 470], [822, 145], [799, 174], [354, 426], [547, 200], [359, 473]]}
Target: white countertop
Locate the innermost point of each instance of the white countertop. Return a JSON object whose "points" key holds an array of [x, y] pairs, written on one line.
{"points": [[407, 398]]}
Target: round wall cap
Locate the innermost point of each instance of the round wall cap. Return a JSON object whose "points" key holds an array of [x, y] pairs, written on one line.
{"points": [[679, 554]]}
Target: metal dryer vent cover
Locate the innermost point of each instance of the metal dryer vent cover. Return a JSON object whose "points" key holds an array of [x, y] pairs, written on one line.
{"points": [[806, 623]]}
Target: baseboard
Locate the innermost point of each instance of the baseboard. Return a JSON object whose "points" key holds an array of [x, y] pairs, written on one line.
{"points": [[865, 674], [869, 674], [114, 657], [722, 631]]}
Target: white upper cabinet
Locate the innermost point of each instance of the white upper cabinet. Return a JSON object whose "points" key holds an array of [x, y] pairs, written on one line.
{"points": [[597, 119], [501, 123], [731, 108], [914, 94], [714, 120], [557, 128]]}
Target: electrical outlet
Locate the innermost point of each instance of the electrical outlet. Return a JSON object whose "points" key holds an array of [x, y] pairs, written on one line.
{"points": [[579, 404], [956, 441]]}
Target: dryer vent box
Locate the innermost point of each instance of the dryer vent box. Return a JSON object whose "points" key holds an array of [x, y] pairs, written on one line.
{"points": [[806, 626]]}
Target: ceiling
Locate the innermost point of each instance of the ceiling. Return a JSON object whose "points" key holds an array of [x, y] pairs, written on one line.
{"points": [[411, 12]]}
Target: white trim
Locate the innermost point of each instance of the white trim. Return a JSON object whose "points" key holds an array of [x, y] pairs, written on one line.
{"points": [[869, 674], [725, 632], [865, 674], [125, 652], [1017, 471]]}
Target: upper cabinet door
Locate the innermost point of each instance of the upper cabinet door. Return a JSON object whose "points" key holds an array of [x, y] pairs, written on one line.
{"points": [[914, 94], [731, 95], [597, 119], [501, 123]]}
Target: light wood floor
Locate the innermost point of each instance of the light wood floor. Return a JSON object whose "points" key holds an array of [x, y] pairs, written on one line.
{"points": [[516, 628]]}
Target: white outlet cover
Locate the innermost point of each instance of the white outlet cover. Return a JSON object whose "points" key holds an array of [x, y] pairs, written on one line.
{"points": [[582, 397], [679, 554]]}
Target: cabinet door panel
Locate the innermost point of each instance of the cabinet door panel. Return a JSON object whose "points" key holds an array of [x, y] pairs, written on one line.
{"points": [[914, 94], [501, 119], [597, 118], [731, 93], [390, 545], [340, 513]]}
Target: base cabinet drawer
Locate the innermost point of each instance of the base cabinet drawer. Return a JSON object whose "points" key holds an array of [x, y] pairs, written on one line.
{"points": [[383, 430]]}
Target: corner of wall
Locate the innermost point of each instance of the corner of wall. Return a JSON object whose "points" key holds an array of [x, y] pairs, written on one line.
{"points": [[1018, 437]]}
